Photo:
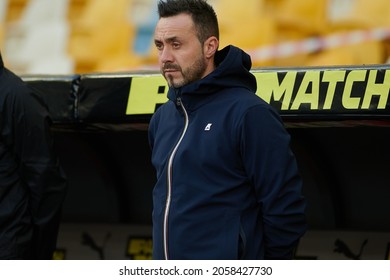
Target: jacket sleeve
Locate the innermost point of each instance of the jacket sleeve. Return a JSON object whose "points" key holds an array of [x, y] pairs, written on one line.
{"points": [[39, 168], [272, 168]]}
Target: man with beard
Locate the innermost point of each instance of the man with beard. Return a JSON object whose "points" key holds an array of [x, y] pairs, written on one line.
{"points": [[227, 185]]}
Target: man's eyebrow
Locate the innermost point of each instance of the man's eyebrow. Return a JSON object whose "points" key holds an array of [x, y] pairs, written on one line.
{"points": [[169, 40]]}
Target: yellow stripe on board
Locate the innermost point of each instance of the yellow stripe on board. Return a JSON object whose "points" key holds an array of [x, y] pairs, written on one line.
{"points": [[148, 91]]}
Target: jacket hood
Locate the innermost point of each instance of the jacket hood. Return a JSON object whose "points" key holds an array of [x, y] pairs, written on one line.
{"points": [[233, 70]]}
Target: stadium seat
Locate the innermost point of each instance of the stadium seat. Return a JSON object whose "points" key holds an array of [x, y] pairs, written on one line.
{"points": [[244, 25], [3, 13], [83, 36], [360, 54], [360, 14], [300, 18], [101, 31], [138, 49], [3, 10], [36, 42], [14, 9]]}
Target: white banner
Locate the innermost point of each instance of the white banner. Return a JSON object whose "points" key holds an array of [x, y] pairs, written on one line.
{"points": [[130, 269]]}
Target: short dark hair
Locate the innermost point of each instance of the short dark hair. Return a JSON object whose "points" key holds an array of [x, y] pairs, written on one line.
{"points": [[202, 13]]}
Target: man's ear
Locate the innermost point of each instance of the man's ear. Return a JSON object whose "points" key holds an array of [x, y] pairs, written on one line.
{"points": [[211, 46]]}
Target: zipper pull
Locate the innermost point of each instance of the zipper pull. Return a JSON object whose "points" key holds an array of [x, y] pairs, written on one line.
{"points": [[178, 101]]}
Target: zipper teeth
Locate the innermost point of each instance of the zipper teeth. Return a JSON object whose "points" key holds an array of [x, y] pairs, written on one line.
{"points": [[169, 183]]}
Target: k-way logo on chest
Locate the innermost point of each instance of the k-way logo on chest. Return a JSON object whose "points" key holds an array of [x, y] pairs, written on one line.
{"points": [[208, 127]]}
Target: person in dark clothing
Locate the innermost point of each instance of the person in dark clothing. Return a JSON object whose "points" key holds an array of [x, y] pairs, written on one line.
{"points": [[228, 186], [32, 183]]}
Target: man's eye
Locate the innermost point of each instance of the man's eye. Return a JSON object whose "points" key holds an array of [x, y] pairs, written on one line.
{"points": [[176, 45]]}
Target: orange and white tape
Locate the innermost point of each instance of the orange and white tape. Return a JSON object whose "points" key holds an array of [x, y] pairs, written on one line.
{"points": [[315, 44]]}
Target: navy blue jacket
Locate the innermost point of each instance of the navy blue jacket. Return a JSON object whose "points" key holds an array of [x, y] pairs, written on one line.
{"points": [[227, 182]]}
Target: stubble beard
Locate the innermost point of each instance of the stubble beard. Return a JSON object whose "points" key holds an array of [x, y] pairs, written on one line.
{"points": [[191, 74]]}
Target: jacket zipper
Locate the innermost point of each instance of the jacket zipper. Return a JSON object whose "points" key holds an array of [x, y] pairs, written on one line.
{"points": [[169, 179]]}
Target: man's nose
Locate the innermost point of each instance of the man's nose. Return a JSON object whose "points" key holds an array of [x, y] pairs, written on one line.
{"points": [[166, 55]]}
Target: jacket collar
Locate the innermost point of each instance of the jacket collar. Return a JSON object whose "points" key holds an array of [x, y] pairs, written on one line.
{"points": [[233, 70]]}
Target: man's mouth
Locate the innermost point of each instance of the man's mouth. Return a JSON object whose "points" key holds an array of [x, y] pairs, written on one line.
{"points": [[170, 70]]}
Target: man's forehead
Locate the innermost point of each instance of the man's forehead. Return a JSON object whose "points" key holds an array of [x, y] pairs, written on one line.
{"points": [[174, 26]]}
